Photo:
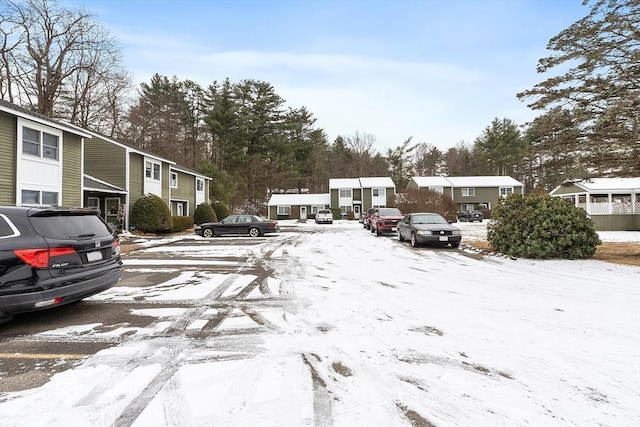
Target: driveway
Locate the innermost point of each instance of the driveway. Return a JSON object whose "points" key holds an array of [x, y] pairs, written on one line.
{"points": [[329, 325]]}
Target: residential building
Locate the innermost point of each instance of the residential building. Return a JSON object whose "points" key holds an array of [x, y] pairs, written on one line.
{"points": [[470, 192], [296, 206], [612, 203], [41, 162]]}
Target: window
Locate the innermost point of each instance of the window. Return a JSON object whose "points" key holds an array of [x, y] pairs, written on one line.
{"points": [[174, 180], [505, 191], [152, 170], [93, 203], [7, 229], [199, 184], [284, 210], [378, 192], [345, 193], [40, 144], [34, 197], [345, 209], [468, 192]]}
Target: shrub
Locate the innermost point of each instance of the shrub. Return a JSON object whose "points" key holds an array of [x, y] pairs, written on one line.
{"points": [[350, 215], [150, 214], [204, 213], [181, 223], [337, 213], [541, 226], [222, 211], [425, 200]]}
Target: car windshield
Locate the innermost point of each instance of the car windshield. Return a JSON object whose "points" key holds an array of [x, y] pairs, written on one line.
{"points": [[429, 219], [324, 212], [65, 226], [390, 212]]}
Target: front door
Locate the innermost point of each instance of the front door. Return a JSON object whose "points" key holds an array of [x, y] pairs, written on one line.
{"points": [[356, 211], [303, 212], [112, 208]]}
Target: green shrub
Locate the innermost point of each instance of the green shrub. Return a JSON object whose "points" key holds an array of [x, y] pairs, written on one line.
{"points": [[541, 226], [181, 223], [337, 213], [150, 214], [222, 211], [204, 213]]}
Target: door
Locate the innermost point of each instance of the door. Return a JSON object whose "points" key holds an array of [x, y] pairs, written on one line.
{"points": [[303, 212], [356, 211], [112, 209]]}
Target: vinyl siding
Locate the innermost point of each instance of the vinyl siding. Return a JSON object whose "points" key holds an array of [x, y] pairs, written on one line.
{"points": [[71, 170], [8, 144], [186, 190], [136, 178], [569, 189], [165, 183], [106, 161]]}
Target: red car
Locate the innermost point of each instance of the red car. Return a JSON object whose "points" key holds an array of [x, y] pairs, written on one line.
{"points": [[385, 220]]}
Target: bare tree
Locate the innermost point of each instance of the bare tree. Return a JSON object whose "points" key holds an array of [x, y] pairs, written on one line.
{"points": [[60, 62]]}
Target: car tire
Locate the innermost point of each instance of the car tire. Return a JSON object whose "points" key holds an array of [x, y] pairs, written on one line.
{"points": [[399, 235], [254, 232], [455, 245], [208, 233], [378, 233], [414, 240]]}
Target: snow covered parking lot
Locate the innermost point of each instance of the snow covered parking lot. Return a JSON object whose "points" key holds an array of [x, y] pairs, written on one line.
{"points": [[351, 329]]}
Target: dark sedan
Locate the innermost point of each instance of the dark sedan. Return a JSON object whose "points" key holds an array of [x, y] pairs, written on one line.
{"points": [[54, 256], [253, 225], [428, 228]]}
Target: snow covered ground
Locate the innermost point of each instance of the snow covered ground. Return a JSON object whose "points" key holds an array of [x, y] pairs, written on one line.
{"points": [[373, 333]]}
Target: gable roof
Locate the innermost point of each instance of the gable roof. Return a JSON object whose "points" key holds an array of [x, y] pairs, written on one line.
{"points": [[431, 181], [344, 183], [380, 182], [92, 183], [16, 110], [483, 181], [605, 184], [189, 171], [299, 199]]}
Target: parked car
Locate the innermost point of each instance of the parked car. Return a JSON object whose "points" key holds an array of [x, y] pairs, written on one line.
{"points": [[324, 216], [428, 228], [253, 225], [385, 220], [366, 218], [54, 256], [470, 216]]}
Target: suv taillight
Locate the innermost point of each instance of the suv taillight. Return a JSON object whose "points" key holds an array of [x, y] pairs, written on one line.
{"points": [[39, 258]]}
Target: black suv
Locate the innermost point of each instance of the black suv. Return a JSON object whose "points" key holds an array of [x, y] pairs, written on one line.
{"points": [[471, 216], [54, 256]]}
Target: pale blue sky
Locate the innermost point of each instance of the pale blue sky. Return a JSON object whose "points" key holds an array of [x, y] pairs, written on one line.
{"points": [[437, 71]]}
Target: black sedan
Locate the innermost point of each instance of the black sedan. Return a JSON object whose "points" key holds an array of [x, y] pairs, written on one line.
{"points": [[54, 256], [428, 228], [253, 225]]}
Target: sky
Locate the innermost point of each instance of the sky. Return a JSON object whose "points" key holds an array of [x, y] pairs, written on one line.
{"points": [[459, 341], [435, 71]]}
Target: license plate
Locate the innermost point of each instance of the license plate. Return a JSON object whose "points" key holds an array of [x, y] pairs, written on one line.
{"points": [[393, 228], [444, 239], [94, 256]]}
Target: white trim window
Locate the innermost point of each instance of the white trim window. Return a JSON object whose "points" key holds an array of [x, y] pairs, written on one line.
{"points": [[468, 192], [199, 184], [505, 191], [152, 170], [38, 143], [284, 210], [345, 192], [378, 192], [173, 179], [38, 198], [345, 209]]}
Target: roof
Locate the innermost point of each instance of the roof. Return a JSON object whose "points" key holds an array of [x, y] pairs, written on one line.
{"points": [[189, 171], [41, 118], [299, 199], [605, 184], [483, 181], [344, 183], [379, 182], [431, 181], [92, 183]]}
